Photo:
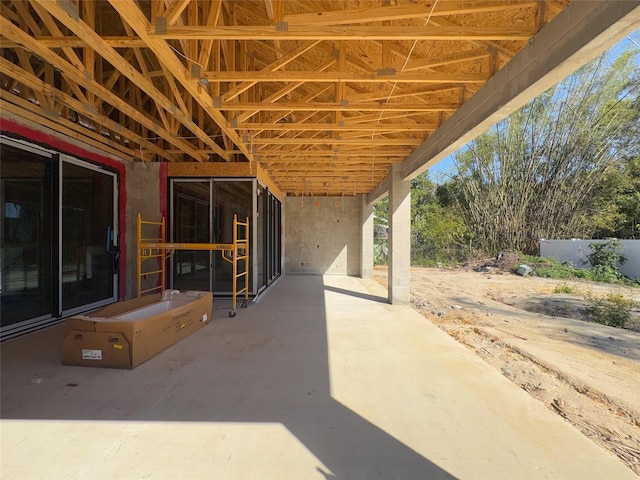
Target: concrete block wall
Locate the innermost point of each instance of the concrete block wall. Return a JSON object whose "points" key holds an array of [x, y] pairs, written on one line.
{"points": [[323, 235], [143, 196]]}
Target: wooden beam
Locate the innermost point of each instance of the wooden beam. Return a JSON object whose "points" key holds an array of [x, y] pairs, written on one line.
{"points": [[11, 31], [337, 181], [281, 93], [60, 41], [336, 141], [27, 21], [89, 56], [177, 94], [454, 57], [280, 63], [386, 116], [176, 10], [330, 107], [401, 12], [307, 32], [284, 155], [340, 86], [27, 110], [332, 177], [210, 169], [215, 8], [59, 96], [331, 166], [488, 43], [333, 77], [84, 31], [25, 61], [402, 91], [323, 127], [71, 55], [132, 14]]}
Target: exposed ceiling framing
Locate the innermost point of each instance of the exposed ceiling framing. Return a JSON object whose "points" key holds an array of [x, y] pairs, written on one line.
{"points": [[324, 94]]}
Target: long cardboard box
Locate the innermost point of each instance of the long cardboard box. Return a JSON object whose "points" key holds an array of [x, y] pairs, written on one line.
{"points": [[128, 333]]}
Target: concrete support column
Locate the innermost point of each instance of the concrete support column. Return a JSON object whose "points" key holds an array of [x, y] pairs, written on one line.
{"points": [[366, 238], [399, 236]]}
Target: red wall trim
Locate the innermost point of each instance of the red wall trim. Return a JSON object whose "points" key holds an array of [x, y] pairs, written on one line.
{"points": [[162, 184], [51, 141], [164, 167]]}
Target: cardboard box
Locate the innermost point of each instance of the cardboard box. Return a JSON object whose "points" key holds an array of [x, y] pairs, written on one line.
{"points": [[126, 334]]}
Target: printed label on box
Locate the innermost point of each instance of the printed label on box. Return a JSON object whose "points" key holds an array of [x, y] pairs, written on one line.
{"points": [[88, 354]]}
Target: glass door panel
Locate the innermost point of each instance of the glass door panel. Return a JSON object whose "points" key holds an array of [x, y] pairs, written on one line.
{"points": [[26, 271], [261, 226], [273, 238], [191, 224], [230, 197], [277, 227], [87, 223]]}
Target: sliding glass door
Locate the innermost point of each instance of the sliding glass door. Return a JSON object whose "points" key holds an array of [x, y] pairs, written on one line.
{"points": [[270, 237], [88, 224], [59, 237], [191, 269], [202, 212], [230, 198], [26, 273]]}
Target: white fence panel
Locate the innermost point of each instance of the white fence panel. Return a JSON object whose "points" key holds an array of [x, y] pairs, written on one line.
{"points": [[577, 252]]}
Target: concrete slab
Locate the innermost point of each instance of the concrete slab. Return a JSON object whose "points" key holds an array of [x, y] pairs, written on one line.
{"points": [[321, 379]]}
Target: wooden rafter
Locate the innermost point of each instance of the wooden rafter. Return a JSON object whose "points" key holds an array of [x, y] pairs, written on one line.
{"points": [[337, 127], [323, 95], [331, 141], [333, 77], [108, 53], [35, 83], [344, 107], [401, 12], [308, 32], [265, 72], [11, 31], [135, 18]]}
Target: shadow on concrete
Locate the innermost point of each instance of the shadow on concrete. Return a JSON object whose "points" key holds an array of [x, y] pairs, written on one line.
{"points": [[365, 296], [268, 364]]}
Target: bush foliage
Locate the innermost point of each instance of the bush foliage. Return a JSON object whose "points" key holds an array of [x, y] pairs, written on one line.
{"points": [[605, 258], [613, 310]]}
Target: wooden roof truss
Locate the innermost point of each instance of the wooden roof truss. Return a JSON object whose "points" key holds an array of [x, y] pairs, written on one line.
{"points": [[324, 94]]}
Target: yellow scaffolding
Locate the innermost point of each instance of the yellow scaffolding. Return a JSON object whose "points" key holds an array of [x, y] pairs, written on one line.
{"points": [[156, 246]]}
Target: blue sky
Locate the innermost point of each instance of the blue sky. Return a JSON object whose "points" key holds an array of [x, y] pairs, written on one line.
{"points": [[440, 172]]}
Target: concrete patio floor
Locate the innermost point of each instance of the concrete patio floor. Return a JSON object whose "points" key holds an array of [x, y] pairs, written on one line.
{"points": [[320, 379]]}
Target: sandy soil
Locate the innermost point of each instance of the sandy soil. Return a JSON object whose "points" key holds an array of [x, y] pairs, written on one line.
{"points": [[542, 341]]}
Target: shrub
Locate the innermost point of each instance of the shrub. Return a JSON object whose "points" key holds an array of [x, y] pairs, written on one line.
{"points": [[604, 259], [613, 310], [564, 288], [552, 268], [380, 253]]}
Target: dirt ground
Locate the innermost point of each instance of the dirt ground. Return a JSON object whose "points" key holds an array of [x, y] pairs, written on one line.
{"points": [[585, 372]]}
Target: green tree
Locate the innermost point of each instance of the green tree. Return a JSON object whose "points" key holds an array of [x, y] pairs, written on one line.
{"points": [[618, 214], [380, 227], [437, 234], [542, 172]]}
